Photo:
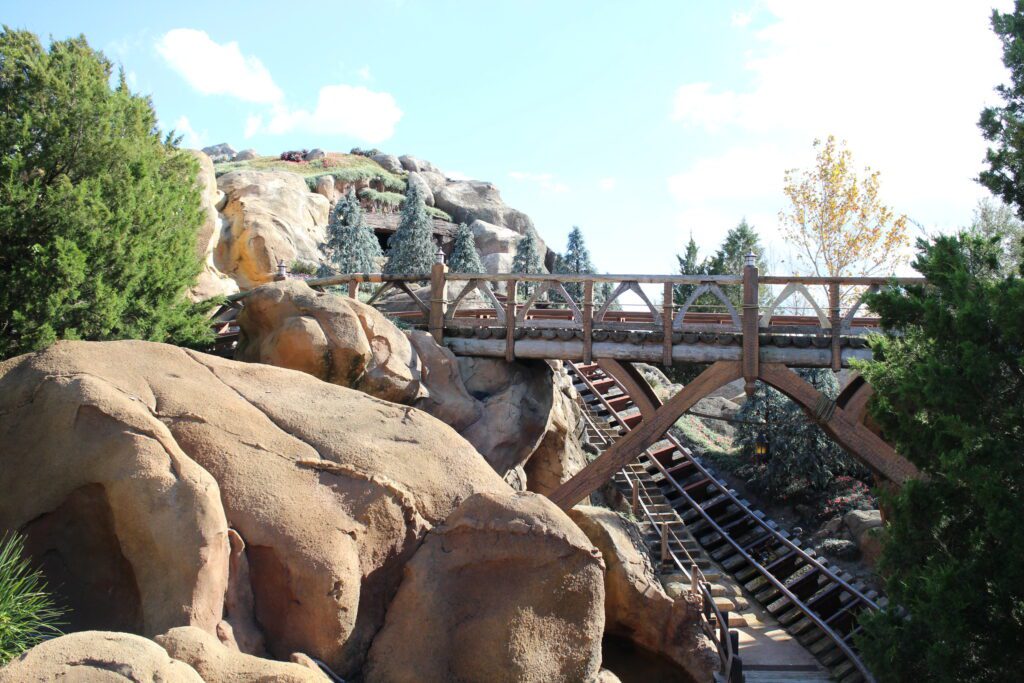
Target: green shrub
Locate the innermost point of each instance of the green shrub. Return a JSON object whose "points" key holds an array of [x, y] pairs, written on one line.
{"points": [[28, 614], [382, 200], [435, 212]]}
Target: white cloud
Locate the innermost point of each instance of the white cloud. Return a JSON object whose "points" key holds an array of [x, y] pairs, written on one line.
{"points": [[190, 138], [606, 184], [343, 110], [906, 99], [253, 123], [217, 69], [741, 19], [545, 181]]}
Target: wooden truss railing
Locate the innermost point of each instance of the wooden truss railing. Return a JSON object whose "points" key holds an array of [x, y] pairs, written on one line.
{"points": [[591, 309]]}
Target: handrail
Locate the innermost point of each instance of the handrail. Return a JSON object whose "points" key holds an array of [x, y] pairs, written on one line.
{"points": [[836, 638]]}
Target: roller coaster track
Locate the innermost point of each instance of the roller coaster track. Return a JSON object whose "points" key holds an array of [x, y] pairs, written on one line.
{"points": [[815, 603]]}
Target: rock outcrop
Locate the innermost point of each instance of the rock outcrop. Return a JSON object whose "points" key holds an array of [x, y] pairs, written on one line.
{"points": [[271, 216], [334, 338], [128, 462], [220, 152], [211, 281], [507, 589], [636, 606], [559, 454], [215, 662], [98, 656]]}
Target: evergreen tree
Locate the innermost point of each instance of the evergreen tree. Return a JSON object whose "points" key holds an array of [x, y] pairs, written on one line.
{"points": [[1004, 126], [465, 258], [98, 213], [803, 459], [575, 261], [688, 265], [993, 219], [948, 379], [527, 259], [729, 259], [351, 245], [411, 249]]}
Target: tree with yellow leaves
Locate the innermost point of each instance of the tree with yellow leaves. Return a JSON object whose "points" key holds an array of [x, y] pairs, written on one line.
{"points": [[837, 221]]}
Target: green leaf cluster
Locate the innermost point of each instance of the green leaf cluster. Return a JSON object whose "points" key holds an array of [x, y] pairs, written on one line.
{"points": [[949, 395], [98, 214], [1003, 126]]}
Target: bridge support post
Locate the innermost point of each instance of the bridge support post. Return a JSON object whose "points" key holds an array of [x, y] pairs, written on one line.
{"points": [[438, 301], [836, 323], [751, 352]]}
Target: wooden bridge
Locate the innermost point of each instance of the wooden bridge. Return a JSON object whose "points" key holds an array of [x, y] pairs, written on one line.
{"points": [[536, 316]]}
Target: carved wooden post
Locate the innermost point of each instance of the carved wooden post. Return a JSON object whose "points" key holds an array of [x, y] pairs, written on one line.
{"points": [[588, 320], [510, 320], [836, 321], [438, 301], [666, 325], [750, 341], [353, 288], [694, 580]]}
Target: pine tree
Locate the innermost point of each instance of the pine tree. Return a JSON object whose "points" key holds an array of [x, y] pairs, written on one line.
{"points": [[464, 258], [1003, 126], [527, 259], [688, 265], [411, 249], [575, 261], [351, 245], [99, 212]]}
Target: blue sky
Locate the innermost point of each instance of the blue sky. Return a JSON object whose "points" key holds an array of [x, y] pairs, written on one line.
{"points": [[641, 122]]}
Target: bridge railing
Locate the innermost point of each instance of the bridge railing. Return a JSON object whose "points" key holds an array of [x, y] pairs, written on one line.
{"points": [[665, 310]]}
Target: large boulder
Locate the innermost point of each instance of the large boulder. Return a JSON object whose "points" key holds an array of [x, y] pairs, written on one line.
{"points": [[246, 155], [98, 657], [128, 462], [334, 338], [435, 180], [220, 152], [272, 217], [507, 589], [389, 162], [314, 154], [211, 281], [469, 200], [327, 186], [423, 186], [493, 239], [559, 454], [636, 606], [213, 661]]}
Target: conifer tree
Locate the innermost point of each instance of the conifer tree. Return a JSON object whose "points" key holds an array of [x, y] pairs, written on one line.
{"points": [[99, 212], [527, 259], [351, 245], [688, 265], [464, 258], [411, 249], [575, 261]]}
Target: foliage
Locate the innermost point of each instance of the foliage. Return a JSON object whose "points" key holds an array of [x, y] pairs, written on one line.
{"points": [[575, 261], [364, 152], [294, 155], [465, 258], [382, 202], [28, 614], [837, 220], [1004, 126], [302, 268], [994, 219], [345, 168], [435, 212], [411, 249], [351, 246], [801, 456], [729, 259], [528, 259], [949, 396], [98, 214]]}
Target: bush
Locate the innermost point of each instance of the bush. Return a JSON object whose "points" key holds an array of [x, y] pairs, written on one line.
{"points": [[435, 212], [99, 213], [28, 614], [294, 155]]}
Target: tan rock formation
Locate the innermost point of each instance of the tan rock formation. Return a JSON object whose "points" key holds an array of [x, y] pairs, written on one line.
{"points": [[98, 657], [330, 490], [211, 281], [218, 664], [559, 454], [507, 589], [334, 338], [272, 215], [636, 607]]}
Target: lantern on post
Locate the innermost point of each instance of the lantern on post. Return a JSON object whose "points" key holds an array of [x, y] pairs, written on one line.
{"points": [[761, 447], [282, 271], [439, 256]]}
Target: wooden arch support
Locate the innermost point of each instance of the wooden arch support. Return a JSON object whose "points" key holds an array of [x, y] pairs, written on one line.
{"points": [[635, 385], [841, 423]]}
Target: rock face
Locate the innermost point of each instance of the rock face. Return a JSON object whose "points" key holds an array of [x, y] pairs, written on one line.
{"points": [[220, 152], [334, 338], [469, 200], [271, 216], [98, 656], [507, 589], [326, 186], [211, 281], [559, 454], [389, 162], [246, 155], [493, 239], [424, 187], [215, 662], [128, 463], [636, 607]]}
